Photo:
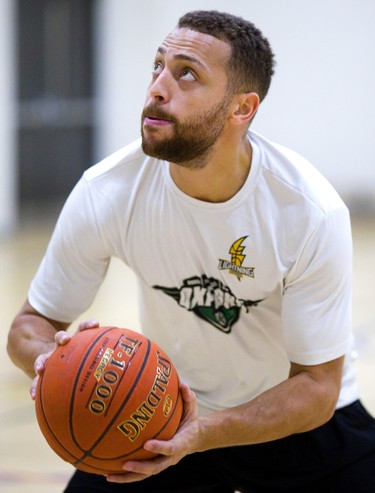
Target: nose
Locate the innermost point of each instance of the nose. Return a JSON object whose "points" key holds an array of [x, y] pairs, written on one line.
{"points": [[160, 88]]}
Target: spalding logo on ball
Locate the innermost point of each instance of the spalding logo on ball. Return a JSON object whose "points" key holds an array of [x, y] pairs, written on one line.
{"points": [[103, 395]]}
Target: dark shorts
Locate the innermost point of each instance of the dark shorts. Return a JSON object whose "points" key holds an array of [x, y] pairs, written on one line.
{"points": [[338, 457]]}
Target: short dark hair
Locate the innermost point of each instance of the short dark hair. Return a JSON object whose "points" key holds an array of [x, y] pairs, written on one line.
{"points": [[251, 64]]}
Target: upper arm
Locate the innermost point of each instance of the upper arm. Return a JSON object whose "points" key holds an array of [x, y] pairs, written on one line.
{"points": [[75, 262], [316, 310]]}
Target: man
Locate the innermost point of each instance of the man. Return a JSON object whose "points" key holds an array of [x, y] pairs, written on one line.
{"points": [[242, 252]]}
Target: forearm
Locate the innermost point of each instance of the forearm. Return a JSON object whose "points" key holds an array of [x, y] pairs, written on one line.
{"points": [[30, 335], [298, 404], [303, 402]]}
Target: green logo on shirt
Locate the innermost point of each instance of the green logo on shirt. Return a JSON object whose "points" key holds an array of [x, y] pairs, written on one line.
{"points": [[210, 300]]}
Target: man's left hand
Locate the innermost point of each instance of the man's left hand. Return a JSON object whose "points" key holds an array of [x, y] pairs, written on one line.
{"points": [[170, 452]]}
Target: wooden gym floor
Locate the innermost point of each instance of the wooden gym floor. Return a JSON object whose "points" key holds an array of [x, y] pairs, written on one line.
{"points": [[26, 462]]}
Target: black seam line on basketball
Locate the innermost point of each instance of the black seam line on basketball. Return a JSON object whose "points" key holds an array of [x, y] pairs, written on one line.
{"points": [[128, 338], [52, 433], [94, 387], [123, 374], [87, 453], [179, 397], [125, 370], [88, 351], [122, 457], [57, 440], [104, 469]]}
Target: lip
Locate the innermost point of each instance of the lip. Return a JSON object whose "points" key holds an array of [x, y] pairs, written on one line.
{"points": [[154, 121]]}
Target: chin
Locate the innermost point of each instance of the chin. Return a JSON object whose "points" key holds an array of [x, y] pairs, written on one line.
{"points": [[151, 150]]}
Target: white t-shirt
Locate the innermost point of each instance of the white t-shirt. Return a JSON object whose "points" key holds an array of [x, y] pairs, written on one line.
{"points": [[232, 291]]}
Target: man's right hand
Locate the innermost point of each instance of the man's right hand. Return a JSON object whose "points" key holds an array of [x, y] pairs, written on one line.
{"points": [[61, 338]]}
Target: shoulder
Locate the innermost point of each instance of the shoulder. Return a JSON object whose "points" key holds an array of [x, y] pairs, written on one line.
{"points": [[121, 175], [110, 185], [294, 179], [117, 162]]}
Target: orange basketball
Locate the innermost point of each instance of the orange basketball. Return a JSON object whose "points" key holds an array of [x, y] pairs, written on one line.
{"points": [[104, 394]]}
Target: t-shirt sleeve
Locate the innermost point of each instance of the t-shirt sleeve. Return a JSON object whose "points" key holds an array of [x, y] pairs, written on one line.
{"points": [[316, 310], [75, 262]]}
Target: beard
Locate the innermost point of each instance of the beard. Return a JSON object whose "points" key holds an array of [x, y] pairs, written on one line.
{"points": [[192, 141]]}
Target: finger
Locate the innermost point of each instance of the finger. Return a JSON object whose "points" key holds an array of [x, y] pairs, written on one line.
{"points": [[147, 467], [39, 366], [127, 477], [40, 362], [88, 324], [190, 403], [160, 447], [62, 337], [33, 387], [187, 394]]}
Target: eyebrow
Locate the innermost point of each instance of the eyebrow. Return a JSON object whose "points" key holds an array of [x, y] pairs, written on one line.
{"points": [[181, 56]]}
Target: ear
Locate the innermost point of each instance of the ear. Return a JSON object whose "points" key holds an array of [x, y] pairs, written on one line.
{"points": [[244, 105]]}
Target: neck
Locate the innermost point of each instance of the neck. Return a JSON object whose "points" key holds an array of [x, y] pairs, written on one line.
{"points": [[219, 176]]}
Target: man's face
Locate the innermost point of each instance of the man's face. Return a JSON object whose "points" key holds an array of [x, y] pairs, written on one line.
{"points": [[187, 101]]}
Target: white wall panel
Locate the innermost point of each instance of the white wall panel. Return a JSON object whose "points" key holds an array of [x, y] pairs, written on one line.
{"points": [[321, 102], [8, 187]]}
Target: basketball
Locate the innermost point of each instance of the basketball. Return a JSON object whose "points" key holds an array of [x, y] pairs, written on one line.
{"points": [[103, 395]]}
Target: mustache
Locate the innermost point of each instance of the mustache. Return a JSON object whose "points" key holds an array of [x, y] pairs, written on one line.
{"points": [[155, 111]]}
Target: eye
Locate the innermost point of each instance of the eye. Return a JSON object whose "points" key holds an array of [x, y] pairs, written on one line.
{"points": [[157, 68], [187, 74]]}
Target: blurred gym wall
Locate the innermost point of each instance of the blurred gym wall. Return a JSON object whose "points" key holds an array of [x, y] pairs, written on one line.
{"points": [[8, 165], [75, 73]]}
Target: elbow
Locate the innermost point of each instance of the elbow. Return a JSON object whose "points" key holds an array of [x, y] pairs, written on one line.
{"points": [[324, 408], [329, 405], [327, 394], [16, 354], [18, 348], [318, 414], [12, 345], [320, 386]]}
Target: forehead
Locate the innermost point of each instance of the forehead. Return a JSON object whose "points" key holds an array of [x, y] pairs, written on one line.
{"points": [[205, 49]]}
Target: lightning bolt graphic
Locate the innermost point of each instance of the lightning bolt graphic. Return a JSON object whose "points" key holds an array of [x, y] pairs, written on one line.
{"points": [[236, 251]]}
